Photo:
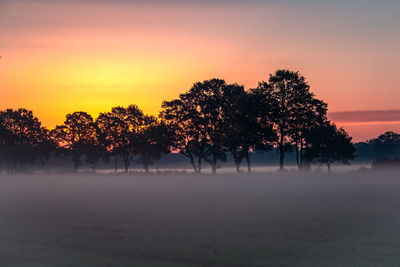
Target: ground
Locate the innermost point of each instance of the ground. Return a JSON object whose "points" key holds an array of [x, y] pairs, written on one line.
{"points": [[272, 219]]}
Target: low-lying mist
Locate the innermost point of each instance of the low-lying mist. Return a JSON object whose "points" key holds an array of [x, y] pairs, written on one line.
{"points": [[175, 219]]}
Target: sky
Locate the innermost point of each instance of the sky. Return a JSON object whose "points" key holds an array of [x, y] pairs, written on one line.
{"points": [[62, 56]]}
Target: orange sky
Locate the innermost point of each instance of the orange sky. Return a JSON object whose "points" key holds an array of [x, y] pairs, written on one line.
{"points": [[62, 56]]}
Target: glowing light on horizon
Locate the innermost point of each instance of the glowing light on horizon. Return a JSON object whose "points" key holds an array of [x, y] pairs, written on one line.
{"points": [[63, 56]]}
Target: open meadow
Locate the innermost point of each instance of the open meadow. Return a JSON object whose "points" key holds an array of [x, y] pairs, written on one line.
{"points": [[271, 219]]}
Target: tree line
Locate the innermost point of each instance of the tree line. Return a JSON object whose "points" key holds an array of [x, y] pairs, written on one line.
{"points": [[205, 124], [383, 151]]}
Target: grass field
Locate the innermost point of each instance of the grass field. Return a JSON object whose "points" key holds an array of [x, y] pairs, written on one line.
{"points": [[275, 219]]}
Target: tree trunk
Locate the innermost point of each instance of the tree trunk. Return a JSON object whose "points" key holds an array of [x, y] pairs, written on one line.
{"points": [[281, 141], [329, 167], [237, 165], [281, 148], [248, 162], [281, 157], [126, 163], [236, 159], [214, 167], [193, 163], [76, 165], [214, 164], [116, 164], [199, 165], [156, 165], [301, 153], [297, 155]]}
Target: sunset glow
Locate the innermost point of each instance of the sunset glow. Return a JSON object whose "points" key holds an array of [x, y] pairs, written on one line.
{"points": [[62, 56]]}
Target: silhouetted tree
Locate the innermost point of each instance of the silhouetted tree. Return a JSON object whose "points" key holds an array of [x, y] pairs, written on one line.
{"points": [[202, 120], [292, 107], [94, 152], [110, 126], [327, 144], [153, 142], [23, 140], [5, 135], [386, 145], [243, 129], [236, 116], [189, 129], [309, 113], [209, 98], [76, 134], [261, 129], [120, 128]]}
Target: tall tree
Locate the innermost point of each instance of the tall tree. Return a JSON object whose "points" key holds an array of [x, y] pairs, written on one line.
{"points": [[23, 139], [75, 135], [208, 98], [243, 130], [328, 144], [120, 128], [236, 112], [309, 113], [260, 128], [199, 118], [153, 142], [293, 108], [189, 129], [96, 150]]}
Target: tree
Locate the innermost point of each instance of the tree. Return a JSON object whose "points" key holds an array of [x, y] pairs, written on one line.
{"points": [[120, 128], [208, 98], [327, 144], [242, 129], [189, 129], [293, 108], [75, 135], [309, 113], [23, 139], [96, 150], [260, 130], [236, 112], [153, 142], [386, 145], [109, 127], [199, 118]]}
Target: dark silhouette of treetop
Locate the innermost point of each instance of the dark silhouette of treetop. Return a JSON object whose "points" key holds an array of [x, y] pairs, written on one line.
{"points": [[23, 139], [293, 109], [119, 128], [75, 135], [328, 144]]}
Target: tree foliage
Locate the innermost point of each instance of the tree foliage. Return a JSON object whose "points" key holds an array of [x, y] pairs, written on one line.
{"points": [[153, 142], [119, 130], [23, 139], [328, 144], [75, 136], [292, 109], [386, 145]]}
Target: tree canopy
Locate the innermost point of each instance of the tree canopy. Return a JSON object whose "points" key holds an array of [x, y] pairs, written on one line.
{"points": [[328, 144]]}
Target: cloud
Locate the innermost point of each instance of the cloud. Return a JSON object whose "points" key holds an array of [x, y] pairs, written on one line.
{"points": [[365, 116]]}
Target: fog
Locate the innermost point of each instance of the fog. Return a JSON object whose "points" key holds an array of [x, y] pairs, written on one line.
{"points": [[175, 219]]}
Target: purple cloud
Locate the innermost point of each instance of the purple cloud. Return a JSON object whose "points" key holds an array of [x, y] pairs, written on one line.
{"points": [[365, 115]]}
